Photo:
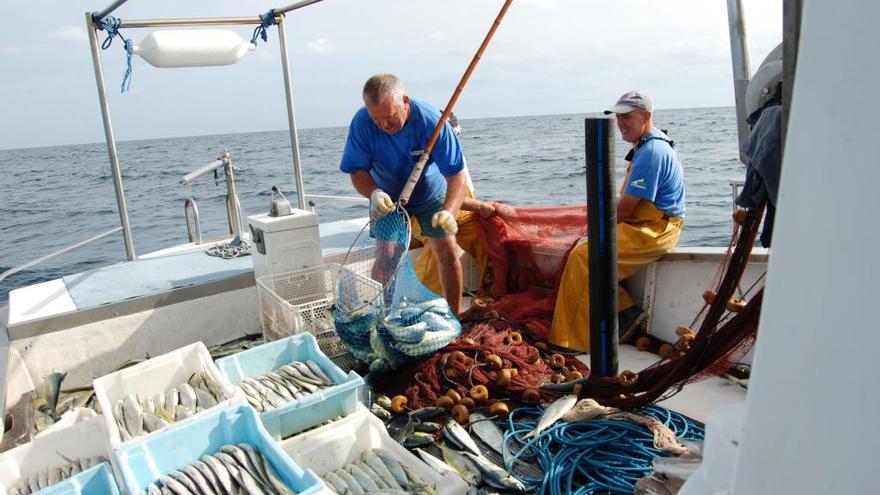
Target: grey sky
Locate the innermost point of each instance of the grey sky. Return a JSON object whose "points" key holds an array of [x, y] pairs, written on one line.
{"points": [[548, 57]]}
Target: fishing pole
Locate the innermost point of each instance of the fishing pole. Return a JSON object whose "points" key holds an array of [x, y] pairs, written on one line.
{"points": [[423, 159]]}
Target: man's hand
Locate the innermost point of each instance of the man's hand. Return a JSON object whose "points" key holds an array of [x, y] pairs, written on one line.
{"points": [[446, 221], [380, 205], [484, 208]]}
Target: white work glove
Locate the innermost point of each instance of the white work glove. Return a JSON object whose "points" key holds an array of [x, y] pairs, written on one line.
{"points": [[380, 205], [444, 220]]}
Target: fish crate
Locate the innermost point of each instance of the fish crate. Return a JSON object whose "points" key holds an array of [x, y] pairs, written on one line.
{"points": [[86, 439], [181, 444], [302, 301], [158, 375], [306, 412], [335, 445]]}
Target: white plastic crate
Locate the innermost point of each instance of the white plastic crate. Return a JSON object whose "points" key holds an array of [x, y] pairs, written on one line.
{"points": [[302, 301], [332, 446], [85, 439], [154, 376]]}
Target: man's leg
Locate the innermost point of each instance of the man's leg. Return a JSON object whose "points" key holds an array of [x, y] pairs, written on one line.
{"points": [[446, 251]]}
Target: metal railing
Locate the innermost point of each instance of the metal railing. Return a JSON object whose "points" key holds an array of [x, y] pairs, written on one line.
{"points": [[735, 186], [234, 213], [311, 199], [72, 247], [191, 206]]}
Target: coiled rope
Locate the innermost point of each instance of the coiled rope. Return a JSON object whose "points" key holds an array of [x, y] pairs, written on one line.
{"points": [[110, 25], [588, 457], [261, 31]]}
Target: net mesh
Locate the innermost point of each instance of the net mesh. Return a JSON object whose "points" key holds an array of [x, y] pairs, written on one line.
{"points": [[383, 313]]}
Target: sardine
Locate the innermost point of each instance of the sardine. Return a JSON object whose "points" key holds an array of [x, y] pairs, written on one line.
{"points": [[336, 483], [153, 489], [486, 430], [394, 466], [372, 474], [220, 472], [198, 478], [456, 434], [210, 477], [239, 474], [276, 481], [317, 371], [462, 465], [495, 475], [552, 414], [245, 463], [378, 465], [185, 481], [362, 478], [174, 486], [353, 486], [417, 484], [256, 460]]}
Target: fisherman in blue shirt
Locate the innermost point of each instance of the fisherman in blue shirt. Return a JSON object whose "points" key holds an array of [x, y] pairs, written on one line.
{"points": [[649, 220], [385, 140]]}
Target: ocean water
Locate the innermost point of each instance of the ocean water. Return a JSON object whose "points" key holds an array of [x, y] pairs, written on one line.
{"points": [[55, 196]]}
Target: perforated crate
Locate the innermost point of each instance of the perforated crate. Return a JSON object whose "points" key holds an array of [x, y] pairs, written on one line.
{"points": [[302, 301]]}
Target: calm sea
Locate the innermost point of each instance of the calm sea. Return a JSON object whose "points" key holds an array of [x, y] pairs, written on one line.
{"points": [[52, 197]]}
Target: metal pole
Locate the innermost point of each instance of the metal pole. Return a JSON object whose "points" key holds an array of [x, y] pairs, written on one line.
{"points": [[602, 245], [68, 249], [97, 16], [742, 71], [233, 207], [291, 115], [111, 140], [195, 21], [294, 6]]}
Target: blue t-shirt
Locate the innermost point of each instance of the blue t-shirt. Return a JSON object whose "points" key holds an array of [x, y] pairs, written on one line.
{"points": [[390, 158], [657, 175]]}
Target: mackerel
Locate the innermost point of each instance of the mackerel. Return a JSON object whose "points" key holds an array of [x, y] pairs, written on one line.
{"points": [[336, 483], [435, 463], [378, 465], [462, 465], [460, 437], [353, 486], [495, 475], [372, 474], [486, 430], [362, 478], [552, 414], [319, 372], [394, 466]]}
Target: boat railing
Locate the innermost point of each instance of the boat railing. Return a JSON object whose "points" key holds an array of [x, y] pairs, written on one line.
{"points": [[190, 206], [72, 247], [735, 186], [234, 214], [313, 199]]}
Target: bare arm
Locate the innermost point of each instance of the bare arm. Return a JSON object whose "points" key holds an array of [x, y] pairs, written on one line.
{"points": [[483, 208], [455, 187], [363, 183], [626, 205]]}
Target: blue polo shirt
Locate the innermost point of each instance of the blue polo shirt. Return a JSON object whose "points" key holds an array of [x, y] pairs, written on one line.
{"points": [[657, 175], [390, 158]]}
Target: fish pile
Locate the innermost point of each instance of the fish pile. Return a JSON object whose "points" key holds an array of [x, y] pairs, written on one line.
{"points": [[38, 481], [290, 382], [136, 416], [234, 469], [377, 472]]}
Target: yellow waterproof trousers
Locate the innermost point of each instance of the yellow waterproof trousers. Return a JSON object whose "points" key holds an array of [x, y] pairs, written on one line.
{"points": [[639, 243], [467, 238]]}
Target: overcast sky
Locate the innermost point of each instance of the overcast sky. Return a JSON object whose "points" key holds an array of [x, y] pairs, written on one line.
{"points": [[547, 57]]}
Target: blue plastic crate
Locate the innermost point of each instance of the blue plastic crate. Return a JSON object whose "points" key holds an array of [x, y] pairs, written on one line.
{"points": [[96, 480], [311, 410], [145, 461]]}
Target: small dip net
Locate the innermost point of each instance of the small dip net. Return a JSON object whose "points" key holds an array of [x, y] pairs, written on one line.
{"points": [[383, 313]]}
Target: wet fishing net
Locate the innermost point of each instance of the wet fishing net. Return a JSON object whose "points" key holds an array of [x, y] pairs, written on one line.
{"points": [[383, 313]]}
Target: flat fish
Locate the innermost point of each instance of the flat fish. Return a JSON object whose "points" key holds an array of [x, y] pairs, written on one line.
{"points": [[486, 430], [552, 414]]}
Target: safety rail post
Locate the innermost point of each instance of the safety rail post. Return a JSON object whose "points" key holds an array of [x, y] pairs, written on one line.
{"points": [[739, 57], [291, 115], [109, 137], [190, 205]]}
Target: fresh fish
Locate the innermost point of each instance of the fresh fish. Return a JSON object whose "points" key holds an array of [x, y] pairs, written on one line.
{"points": [[210, 477], [317, 371], [220, 473], [427, 427], [418, 439], [152, 489], [185, 481], [239, 474], [494, 475], [410, 333], [256, 460], [373, 475], [552, 414], [175, 486], [275, 480], [187, 396], [362, 478], [417, 484], [304, 373], [196, 381], [204, 399], [435, 463], [172, 399], [465, 467], [55, 476], [51, 391], [353, 486], [336, 483], [132, 416], [378, 465], [148, 405], [198, 478], [456, 434], [424, 413], [486, 430], [380, 412], [384, 401], [119, 416], [183, 413], [153, 422], [394, 466], [212, 386], [245, 463]]}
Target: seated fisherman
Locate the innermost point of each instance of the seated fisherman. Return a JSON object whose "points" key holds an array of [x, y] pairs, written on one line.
{"points": [[649, 220], [466, 237]]}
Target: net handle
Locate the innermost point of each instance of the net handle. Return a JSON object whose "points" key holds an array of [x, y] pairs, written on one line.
{"points": [[423, 160]]}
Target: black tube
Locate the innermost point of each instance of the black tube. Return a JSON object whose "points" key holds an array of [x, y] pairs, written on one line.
{"points": [[602, 239]]}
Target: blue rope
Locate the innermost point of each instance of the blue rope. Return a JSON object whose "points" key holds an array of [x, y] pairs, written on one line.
{"points": [[111, 25], [588, 457], [267, 19]]}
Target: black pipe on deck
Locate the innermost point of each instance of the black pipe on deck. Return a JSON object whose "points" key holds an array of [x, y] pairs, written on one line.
{"points": [[602, 239]]}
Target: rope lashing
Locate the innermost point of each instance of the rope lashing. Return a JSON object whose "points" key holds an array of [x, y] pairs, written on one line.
{"points": [[111, 25], [261, 31]]}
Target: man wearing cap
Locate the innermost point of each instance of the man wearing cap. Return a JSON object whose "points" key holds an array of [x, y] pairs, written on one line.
{"points": [[649, 219]]}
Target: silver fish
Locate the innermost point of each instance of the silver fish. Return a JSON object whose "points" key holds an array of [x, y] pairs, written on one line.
{"points": [[245, 463], [200, 481], [362, 478], [239, 474], [256, 460], [210, 477], [495, 475], [394, 466], [51, 391], [456, 433], [378, 465], [465, 467], [153, 422], [212, 386], [185, 481], [552, 414], [353, 486], [132, 416], [417, 484], [174, 486], [372, 474], [275, 480], [188, 397], [152, 489], [307, 372], [336, 483], [486, 430], [204, 399], [220, 472], [435, 463], [319, 372], [172, 399]]}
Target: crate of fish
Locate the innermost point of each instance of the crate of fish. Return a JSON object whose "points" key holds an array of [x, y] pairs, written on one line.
{"points": [[292, 384], [151, 395], [356, 455], [69, 460], [224, 451], [302, 301]]}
